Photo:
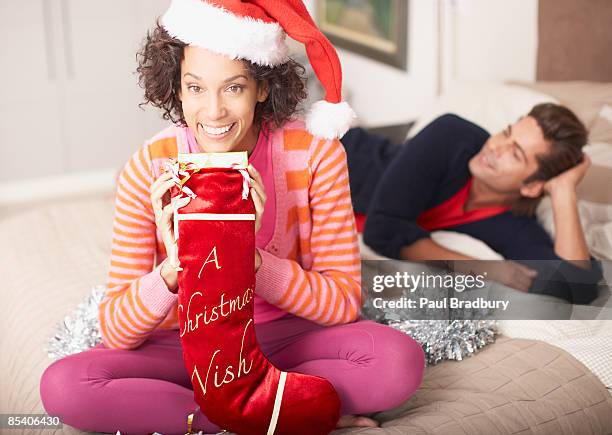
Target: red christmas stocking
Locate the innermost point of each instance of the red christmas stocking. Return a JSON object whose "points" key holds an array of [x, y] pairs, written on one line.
{"points": [[236, 387]]}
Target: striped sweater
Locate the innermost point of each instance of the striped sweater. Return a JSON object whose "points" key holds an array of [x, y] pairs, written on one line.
{"points": [[310, 267]]}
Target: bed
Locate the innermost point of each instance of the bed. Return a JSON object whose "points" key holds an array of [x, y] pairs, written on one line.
{"points": [[588, 336], [539, 377]]}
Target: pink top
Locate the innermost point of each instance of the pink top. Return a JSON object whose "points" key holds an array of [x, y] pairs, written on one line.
{"points": [[261, 159], [310, 267]]}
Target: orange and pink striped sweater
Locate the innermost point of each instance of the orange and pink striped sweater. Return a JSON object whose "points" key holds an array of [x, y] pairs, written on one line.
{"points": [[310, 267]]}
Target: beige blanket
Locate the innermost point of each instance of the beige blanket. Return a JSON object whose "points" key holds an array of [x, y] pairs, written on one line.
{"points": [[54, 254], [511, 387]]}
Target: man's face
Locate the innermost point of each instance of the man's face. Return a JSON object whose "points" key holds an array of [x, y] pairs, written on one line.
{"points": [[508, 158]]}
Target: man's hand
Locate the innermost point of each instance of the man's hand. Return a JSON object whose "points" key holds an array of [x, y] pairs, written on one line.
{"points": [[570, 243], [511, 274], [568, 180], [506, 272]]}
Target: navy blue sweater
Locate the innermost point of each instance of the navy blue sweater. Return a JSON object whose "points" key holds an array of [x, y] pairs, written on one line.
{"points": [[393, 184]]}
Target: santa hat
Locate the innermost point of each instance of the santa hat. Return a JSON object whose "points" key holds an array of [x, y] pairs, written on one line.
{"points": [[255, 30]]}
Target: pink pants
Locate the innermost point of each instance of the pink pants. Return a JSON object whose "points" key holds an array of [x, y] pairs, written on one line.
{"points": [[372, 367]]}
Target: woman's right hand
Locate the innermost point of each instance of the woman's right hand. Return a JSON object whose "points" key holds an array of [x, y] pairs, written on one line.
{"points": [[163, 210]]}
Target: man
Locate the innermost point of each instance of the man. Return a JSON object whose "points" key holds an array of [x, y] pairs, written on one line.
{"points": [[454, 176]]}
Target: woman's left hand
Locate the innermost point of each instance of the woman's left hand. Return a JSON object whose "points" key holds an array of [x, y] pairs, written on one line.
{"points": [[259, 199]]}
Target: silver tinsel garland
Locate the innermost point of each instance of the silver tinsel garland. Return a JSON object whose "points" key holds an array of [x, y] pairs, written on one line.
{"points": [[80, 330], [448, 339], [440, 339]]}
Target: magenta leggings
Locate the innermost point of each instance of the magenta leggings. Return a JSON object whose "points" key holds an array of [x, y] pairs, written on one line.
{"points": [[373, 367]]}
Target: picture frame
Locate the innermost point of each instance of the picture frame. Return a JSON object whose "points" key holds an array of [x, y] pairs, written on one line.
{"points": [[377, 29]]}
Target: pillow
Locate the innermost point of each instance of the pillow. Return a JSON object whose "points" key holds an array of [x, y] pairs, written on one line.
{"points": [[459, 242], [584, 98], [488, 104], [594, 187], [601, 131]]}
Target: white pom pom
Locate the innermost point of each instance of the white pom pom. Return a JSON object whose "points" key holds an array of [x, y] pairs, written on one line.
{"points": [[329, 120]]}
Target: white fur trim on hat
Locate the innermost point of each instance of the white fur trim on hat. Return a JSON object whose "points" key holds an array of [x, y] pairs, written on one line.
{"points": [[329, 120], [197, 22]]}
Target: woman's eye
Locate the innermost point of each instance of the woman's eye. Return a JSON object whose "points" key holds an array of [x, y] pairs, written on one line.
{"points": [[193, 88], [234, 89]]}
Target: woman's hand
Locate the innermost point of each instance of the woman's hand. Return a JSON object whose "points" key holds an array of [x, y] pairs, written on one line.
{"points": [[162, 208], [259, 195], [259, 199]]}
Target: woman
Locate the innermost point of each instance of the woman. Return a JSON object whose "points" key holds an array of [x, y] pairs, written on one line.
{"points": [[203, 68]]}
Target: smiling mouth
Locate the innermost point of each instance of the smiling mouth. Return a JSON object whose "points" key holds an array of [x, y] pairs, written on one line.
{"points": [[220, 131]]}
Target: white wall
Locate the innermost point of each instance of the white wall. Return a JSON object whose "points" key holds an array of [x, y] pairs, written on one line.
{"points": [[489, 40], [493, 40], [69, 115], [480, 40]]}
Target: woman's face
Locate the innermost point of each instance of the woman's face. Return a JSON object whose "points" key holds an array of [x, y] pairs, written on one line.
{"points": [[218, 97]]}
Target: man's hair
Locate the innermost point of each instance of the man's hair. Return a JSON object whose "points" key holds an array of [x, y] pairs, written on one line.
{"points": [[566, 135], [159, 74]]}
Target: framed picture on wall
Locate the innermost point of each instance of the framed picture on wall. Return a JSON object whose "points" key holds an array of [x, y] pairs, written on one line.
{"points": [[377, 29]]}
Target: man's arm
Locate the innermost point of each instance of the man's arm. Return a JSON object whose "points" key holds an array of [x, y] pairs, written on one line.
{"points": [[411, 181], [426, 249], [509, 273], [570, 243], [528, 243]]}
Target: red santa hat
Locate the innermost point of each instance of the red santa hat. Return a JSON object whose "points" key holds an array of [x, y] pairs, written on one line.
{"points": [[255, 30]]}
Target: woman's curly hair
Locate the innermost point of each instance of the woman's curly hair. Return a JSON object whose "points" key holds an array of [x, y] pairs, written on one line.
{"points": [[159, 74]]}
